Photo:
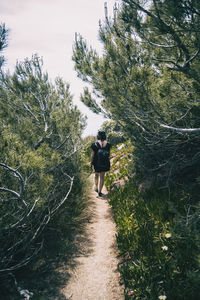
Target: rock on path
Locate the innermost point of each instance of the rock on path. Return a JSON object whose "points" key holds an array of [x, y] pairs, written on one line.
{"points": [[95, 276]]}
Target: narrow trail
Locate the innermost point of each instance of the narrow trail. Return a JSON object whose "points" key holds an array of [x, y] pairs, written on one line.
{"points": [[95, 276]]}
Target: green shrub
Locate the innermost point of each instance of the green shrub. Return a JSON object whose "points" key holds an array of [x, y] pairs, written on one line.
{"points": [[159, 248], [157, 233], [41, 186]]}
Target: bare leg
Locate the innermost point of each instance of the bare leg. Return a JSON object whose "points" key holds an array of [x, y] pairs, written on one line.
{"points": [[96, 180], [101, 183]]}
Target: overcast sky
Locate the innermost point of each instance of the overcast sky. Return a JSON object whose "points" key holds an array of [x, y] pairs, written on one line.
{"points": [[47, 27]]}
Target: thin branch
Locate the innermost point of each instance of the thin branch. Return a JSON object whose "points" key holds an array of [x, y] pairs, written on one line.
{"points": [[17, 195], [184, 130], [58, 147], [157, 45], [43, 108], [66, 196], [17, 174]]}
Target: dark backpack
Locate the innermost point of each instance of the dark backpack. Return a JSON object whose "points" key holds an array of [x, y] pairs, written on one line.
{"points": [[102, 156]]}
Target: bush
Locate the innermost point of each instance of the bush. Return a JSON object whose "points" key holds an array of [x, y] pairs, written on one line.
{"points": [[40, 165], [158, 238]]}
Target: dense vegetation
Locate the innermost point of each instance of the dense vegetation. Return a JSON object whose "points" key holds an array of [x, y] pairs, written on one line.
{"points": [[148, 81], [41, 184], [159, 246]]}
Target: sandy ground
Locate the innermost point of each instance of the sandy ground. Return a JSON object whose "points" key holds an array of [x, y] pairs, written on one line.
{"points": [[95, 276]]}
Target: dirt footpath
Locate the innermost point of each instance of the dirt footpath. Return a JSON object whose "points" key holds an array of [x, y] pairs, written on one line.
{"points": [[95, 276]]}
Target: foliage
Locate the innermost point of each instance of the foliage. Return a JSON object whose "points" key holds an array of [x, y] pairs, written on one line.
{"points": [[147, 80], [121, 164], [157, 235], [40, 166], [113, 132], [159, 248], [85, 154]]}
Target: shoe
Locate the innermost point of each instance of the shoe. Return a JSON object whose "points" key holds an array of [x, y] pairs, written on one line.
{"points": [[100, 194], [95, 189]]}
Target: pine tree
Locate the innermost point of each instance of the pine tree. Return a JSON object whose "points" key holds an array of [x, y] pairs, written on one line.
{"points": [[148, 81], [40, 135]]}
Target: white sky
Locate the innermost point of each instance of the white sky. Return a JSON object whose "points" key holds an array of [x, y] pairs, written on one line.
{"points": [[47, 27]]}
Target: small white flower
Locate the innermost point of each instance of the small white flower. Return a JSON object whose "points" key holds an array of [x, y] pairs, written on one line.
{"points": [[120, 147], [162, 297], [165, 248], [168, 235]]}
